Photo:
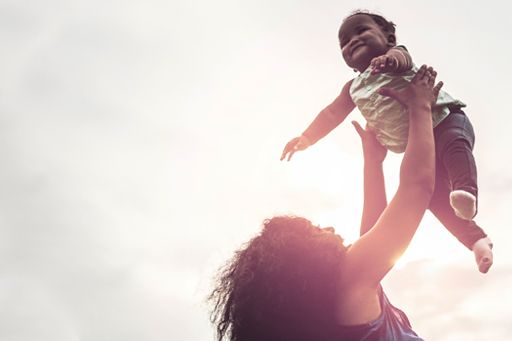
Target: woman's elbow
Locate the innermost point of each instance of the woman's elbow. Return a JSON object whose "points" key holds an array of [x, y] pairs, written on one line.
{"points": [[423, 183], [426, 187]]}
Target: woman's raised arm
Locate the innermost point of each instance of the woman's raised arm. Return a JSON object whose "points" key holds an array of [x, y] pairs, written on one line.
{"points": [[371, 257]]}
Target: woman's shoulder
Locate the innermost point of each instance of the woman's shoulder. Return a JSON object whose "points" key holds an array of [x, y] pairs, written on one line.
{"points": [[390, 324], [357, 304]]}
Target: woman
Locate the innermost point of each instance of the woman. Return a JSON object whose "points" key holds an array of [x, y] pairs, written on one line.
{"points": [[296, 281]]}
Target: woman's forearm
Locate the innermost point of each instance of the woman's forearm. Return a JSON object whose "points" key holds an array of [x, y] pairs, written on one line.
{"points": [[371, 257], [374, 194], [418, 164]]}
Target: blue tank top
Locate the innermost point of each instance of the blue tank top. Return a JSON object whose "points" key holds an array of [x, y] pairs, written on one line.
{"points": [[391, 325]]}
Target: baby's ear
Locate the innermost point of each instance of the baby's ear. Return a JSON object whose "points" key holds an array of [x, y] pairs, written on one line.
{"points": [[391, 40]]}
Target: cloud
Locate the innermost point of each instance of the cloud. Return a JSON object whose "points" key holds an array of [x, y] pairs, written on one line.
{"points": [[140, 147], [453, 302]]}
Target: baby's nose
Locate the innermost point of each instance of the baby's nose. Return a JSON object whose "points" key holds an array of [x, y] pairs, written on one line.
{"points": [[353, 41]]}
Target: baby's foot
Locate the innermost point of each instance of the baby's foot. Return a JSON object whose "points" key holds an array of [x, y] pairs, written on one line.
{"points": [[483, 254], [463, 204]]}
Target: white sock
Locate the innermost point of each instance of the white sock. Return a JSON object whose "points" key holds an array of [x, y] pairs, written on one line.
{"points": [[483, 254], [463, 204]]}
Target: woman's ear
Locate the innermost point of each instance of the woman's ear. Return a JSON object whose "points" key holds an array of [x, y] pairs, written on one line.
{"points": [[391, 39]]}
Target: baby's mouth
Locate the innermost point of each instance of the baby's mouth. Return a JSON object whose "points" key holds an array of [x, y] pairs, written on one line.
{"points": [[355, 48]]}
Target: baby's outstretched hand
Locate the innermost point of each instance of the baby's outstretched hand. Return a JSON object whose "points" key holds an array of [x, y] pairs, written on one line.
{"points": [[294, 145], [383, 64]]}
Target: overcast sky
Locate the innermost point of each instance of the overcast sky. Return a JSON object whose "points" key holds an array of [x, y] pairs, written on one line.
{"points": [[140, 145]]}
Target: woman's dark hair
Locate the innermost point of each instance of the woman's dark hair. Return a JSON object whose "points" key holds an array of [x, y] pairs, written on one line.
{"points": [[386, 25], [280, 286]]}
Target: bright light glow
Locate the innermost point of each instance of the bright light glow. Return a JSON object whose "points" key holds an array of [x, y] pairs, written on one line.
{"points": [[141, 141]]}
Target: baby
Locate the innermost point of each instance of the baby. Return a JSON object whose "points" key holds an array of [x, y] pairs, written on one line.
{"points": [[368, 45]]}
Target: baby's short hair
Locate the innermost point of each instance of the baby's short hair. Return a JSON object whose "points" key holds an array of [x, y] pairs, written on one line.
{"points": [[386, 25]]}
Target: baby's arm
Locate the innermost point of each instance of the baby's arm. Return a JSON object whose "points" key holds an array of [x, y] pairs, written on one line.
{"points": [[396, 60], [328, 119]]}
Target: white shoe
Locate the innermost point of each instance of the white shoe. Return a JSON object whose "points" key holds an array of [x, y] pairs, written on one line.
{"points": [[463, 204]]}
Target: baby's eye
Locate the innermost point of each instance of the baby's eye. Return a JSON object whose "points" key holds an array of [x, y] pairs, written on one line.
{"points": [[361, 29]]}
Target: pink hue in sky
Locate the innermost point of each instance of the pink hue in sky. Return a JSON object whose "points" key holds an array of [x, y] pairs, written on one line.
{"points": [[142, 143]]}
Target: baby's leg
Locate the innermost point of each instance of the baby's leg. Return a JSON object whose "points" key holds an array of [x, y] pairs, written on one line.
{"points": [[466, 231], [454, 148]]}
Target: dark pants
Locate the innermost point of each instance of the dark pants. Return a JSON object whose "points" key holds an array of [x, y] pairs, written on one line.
{"points": [[455, 169]]}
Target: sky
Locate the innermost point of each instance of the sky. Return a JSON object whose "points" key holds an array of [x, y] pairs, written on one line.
{"points": [[140, 145]]}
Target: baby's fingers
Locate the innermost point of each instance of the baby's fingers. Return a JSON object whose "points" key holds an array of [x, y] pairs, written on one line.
{"points": [[286, 150], [291, 154], [376, 65], [385, 62]]}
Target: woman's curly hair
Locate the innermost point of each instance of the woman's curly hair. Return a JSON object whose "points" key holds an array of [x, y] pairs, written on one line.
{"points": [[280, 286]]}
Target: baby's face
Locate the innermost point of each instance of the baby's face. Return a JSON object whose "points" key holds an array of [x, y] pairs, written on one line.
{"points": [[361, 40]]}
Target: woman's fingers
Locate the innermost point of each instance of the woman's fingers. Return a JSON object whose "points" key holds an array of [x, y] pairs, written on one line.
{"points": [[438, 86], [359, 129], [436, 89], [420, 74], [432, 78], [427, 74], [390, 93]]}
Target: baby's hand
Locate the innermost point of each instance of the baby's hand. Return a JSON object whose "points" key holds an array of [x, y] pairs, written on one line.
{"points": [[295, 144], [383, 64]]}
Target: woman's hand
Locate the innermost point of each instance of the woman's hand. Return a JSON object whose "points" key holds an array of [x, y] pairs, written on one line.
{"points": [[373, 151], [421, 90]]}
